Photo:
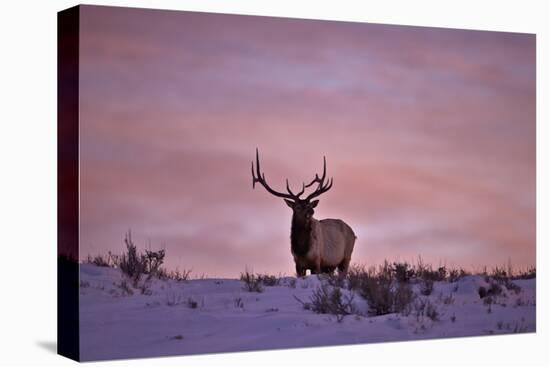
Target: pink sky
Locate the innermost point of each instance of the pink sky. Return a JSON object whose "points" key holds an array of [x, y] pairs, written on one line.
{"points": [[429, 134]]}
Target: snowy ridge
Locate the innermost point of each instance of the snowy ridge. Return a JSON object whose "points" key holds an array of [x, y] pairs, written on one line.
{"points": [[166, 317]]}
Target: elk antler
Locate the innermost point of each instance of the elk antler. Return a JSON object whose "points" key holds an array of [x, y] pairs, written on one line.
{"points": [[322, 187], [258, 176]]}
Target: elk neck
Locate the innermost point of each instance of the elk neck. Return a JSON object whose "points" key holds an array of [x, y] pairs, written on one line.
{"points": [[300, 235]]}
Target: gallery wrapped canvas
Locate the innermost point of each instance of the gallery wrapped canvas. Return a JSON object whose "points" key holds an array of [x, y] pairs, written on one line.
{"points": [[233, 183]]}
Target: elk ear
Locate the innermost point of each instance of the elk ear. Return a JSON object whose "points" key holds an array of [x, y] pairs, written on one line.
{"points": [[289, 203], [314, 203]]}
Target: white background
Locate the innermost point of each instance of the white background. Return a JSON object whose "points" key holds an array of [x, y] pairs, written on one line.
{"points": [[28, 182]]}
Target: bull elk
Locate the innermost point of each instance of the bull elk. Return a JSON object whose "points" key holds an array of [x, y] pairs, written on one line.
{"points": [[318, 245]]}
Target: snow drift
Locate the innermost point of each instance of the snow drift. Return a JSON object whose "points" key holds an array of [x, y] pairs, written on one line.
{"points": [[166, 317]]}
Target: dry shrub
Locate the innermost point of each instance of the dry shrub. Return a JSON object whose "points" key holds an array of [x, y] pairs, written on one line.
{"points": [[252, 283], [422, 307], [426, 287], [131, 263], [383, 294], [269, 280], [135, 264], [403, 272], [327, 299]]}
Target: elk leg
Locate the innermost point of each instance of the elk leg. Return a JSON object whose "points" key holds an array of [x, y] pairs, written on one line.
{"points": [[300, 271], [343, 268], [316, 269]]}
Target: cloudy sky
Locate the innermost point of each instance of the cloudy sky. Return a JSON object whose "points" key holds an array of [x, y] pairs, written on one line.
{"points": [[429, 134]]}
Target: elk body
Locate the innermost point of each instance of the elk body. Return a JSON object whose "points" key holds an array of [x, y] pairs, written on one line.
{"points": [[317, 245]]}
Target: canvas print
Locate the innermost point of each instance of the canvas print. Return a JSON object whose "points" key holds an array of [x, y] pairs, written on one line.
{"points": [[234, 183]]}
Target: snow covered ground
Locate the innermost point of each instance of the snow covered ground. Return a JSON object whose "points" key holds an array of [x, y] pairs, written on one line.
{"points": [[219, 315]]}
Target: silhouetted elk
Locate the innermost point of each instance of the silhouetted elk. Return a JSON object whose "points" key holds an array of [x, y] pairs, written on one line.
{"points": [[318, 245]]}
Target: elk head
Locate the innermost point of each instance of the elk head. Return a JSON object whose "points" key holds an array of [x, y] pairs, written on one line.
{"points": [[303, 209]]}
